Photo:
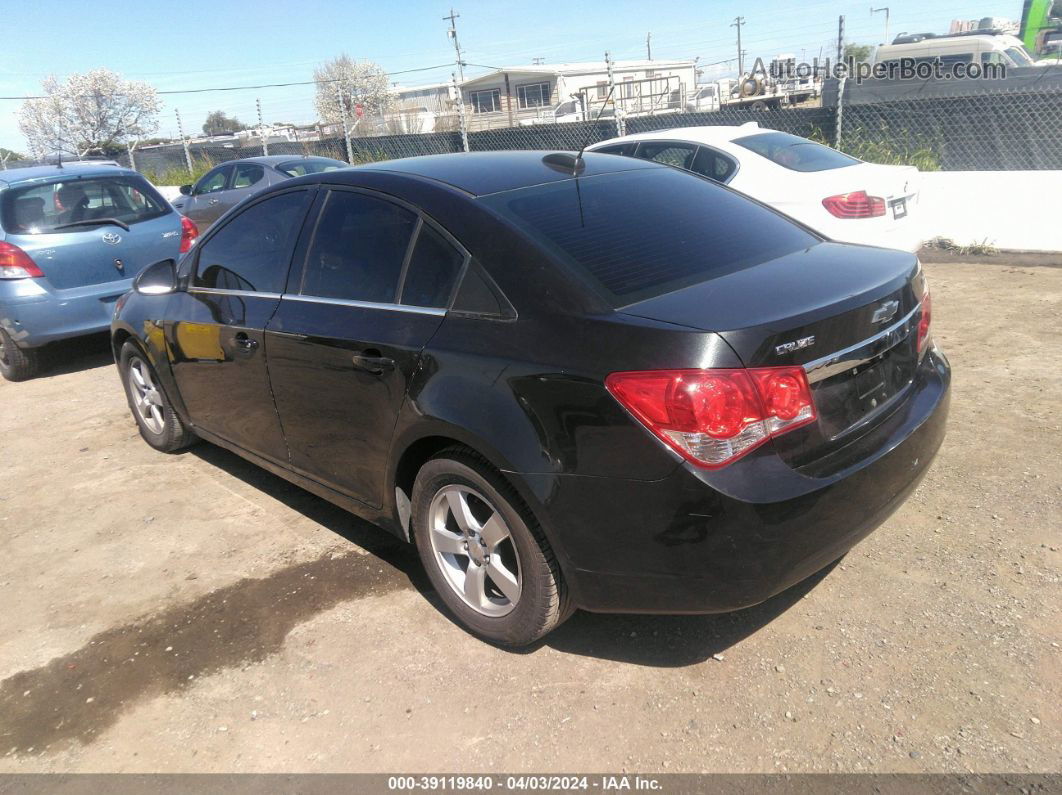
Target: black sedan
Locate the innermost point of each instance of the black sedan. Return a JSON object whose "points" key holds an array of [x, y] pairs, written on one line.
{"points": [[595, 382]]}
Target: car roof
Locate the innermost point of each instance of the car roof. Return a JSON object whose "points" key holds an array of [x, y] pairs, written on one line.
{"points": [[14, 176], [272, 160], [482, 173], [707, 134]]}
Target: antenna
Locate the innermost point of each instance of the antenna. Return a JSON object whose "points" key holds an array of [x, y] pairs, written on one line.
{"points": [[586, 140]]}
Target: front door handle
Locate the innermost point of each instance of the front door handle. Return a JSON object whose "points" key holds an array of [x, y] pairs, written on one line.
{"points": [[245, 342], [370, 363], [214, 201]]}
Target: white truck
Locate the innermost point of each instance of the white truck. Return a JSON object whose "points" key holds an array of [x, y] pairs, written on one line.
{"points": [[762, 88]]}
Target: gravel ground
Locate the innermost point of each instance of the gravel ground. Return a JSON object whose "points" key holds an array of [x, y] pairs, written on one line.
{"points": [[194, 613]]}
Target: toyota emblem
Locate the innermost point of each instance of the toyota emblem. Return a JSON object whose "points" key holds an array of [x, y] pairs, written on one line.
{"points": [[112, 238]]}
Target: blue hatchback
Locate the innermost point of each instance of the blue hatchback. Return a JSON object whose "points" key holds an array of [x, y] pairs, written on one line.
{"points": [[72, 238]]}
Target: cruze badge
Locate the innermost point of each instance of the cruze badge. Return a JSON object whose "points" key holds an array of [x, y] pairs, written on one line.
{"points": [[885, 312], [795, 345]]}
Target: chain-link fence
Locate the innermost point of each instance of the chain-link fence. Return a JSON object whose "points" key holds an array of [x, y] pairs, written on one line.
{"points": [[989, 127]]}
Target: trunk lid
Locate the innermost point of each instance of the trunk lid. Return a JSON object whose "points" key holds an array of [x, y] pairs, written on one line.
{"points": [[847, 314]]}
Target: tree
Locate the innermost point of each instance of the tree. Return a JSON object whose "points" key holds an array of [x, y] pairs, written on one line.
{"points": [[358, 83], [858, 53], [11, 155], [217, 123], [96, 111]]}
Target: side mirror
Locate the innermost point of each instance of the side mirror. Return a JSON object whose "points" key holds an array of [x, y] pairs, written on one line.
{"points": [[159, 278], [186, 190]]}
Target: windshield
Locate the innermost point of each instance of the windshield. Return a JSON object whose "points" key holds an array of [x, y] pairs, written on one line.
{"points": [[639, 234], [794, 152], [1019, 55], [41, 209], [310, 165]]}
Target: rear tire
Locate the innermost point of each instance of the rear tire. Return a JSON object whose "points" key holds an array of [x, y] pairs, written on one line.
{"points": [[158, 423], [484, 553], [18, 364]]}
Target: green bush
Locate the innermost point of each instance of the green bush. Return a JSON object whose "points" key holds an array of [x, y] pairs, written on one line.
{"points": [[888, 147]]}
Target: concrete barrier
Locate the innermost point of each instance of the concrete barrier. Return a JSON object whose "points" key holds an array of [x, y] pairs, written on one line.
{"points": [[1019, 210]]}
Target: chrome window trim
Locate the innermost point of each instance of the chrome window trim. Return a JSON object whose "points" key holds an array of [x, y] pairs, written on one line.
{"points": [[862, 352], [245, 293], [314, 299]]}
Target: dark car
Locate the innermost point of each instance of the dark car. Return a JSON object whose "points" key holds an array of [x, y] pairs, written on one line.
{"points": [[225, 186], [602, 383]]}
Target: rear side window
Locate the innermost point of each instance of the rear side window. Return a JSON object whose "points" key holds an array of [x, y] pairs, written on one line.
{"points": [[713, 165], [639, 234], [247, 174], [309, 165], [251, 252], [432, 270], [42, 209], [794, 152], [670, 154], [358, 249]]}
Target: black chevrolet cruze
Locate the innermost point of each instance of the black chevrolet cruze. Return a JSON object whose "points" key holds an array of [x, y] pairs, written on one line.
{"points": [[595, 382]]}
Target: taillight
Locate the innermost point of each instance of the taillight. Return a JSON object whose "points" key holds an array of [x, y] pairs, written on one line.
{"points": [[16, 263], [926, 319], [855, 205], [712, 417], [189, 233]]}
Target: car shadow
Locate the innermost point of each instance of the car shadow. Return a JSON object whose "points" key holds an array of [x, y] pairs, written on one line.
{"points": [[77, 354], [650, 640]]}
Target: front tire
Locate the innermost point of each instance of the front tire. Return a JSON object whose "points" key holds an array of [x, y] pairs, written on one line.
{"points": [[158, 423], [484, 553], [17, 364]]}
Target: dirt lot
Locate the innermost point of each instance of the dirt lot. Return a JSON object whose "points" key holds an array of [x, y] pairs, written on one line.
{"points": [[191, 612]]}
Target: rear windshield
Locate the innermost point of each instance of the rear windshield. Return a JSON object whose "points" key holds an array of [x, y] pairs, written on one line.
{"points": [[41, 209], [310, 165], [639, 234], [794, 152]]}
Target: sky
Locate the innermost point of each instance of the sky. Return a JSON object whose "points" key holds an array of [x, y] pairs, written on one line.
{"points": [[225, 43]]}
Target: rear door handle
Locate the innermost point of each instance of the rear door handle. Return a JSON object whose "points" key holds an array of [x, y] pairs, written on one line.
{"points": [[374, 364]]}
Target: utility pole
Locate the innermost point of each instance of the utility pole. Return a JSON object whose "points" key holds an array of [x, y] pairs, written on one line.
{"points": [[621, 127], [452, 33], [184, 141], [737, 23], [261, 128], [840, 39], [874, 11], [346, 127], [648, 46], [461, 118]]}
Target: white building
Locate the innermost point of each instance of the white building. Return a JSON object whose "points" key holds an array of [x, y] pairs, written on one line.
{"points": [[544, 93]]}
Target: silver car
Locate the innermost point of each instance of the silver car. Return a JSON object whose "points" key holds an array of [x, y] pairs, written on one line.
{"points": [[230, 183]]}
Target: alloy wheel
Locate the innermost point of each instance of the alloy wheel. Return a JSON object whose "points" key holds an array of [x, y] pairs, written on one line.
{"points": [[146, 398], [474, 550]]}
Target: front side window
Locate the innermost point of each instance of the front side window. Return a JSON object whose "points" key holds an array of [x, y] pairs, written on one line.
{"points": [[1020, 56], [358, 249], [251, 252], [42, 209], [794, 152], [485, 101], [535, 95], [432, 271], [247, 174], [212, 182]]}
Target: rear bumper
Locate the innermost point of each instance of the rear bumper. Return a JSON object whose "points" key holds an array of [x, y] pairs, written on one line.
{"points": [[697, 543], [34, 315]]}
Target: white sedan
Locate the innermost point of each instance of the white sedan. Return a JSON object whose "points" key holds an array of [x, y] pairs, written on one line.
{"points": [[835, 194]]}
